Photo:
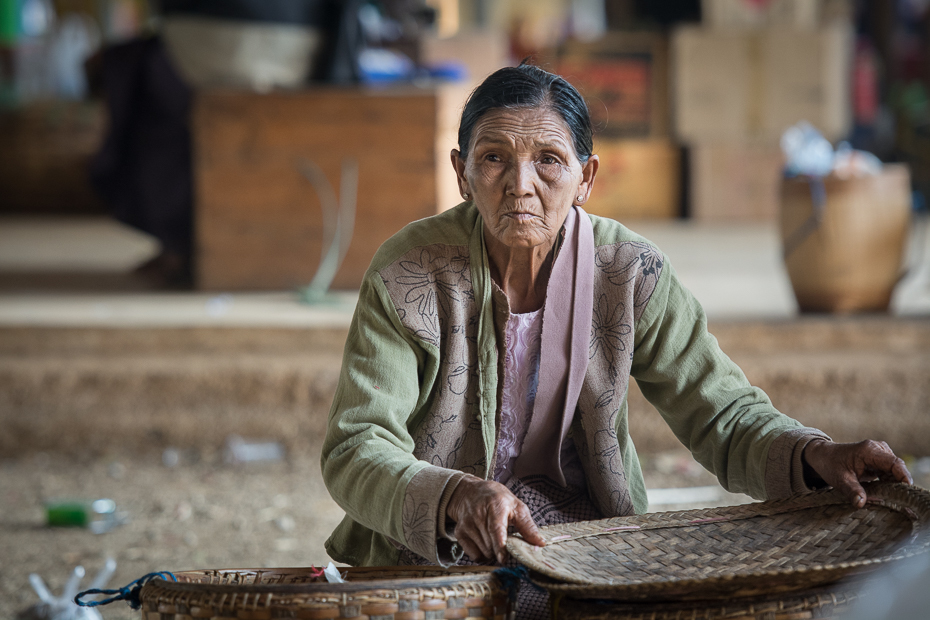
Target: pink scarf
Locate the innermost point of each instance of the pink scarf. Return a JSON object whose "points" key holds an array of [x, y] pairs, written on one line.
{"points": [[566, 338]]}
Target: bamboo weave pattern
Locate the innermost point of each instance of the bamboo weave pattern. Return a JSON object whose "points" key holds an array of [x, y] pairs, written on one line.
{"points": [[385, 593], [748, 550]]}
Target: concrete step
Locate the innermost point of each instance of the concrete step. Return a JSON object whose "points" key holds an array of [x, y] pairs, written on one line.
{"points": [[97, 390], [854, 378], [104, 390]]}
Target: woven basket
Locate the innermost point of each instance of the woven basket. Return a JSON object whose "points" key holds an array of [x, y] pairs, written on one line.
{"points": [[826, 602], [749, 550], [387, 593]]}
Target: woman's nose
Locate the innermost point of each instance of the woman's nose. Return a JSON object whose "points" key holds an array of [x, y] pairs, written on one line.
{"points": [[521, 177]]}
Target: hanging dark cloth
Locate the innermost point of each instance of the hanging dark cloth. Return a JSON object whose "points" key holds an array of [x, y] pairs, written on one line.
{"points": [[143, 170]]}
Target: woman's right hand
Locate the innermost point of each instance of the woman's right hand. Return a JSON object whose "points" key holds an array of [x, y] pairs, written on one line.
{"points": [[483, 510]]}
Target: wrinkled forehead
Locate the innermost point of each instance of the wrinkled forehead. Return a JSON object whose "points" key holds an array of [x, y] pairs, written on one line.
{"points": [[523, 127]]}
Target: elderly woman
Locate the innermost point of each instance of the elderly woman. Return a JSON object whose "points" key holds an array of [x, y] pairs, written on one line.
{"points": [[485, 378]]}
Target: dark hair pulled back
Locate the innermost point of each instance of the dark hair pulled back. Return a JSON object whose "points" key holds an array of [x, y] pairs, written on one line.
{"points": [[528, 86]]}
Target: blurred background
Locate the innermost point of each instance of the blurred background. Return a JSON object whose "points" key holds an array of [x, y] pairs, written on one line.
{"points": [[191, 190]]}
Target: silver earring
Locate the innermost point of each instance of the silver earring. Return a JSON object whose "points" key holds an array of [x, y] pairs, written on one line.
{"points": [[579, 198], [465, 195]]}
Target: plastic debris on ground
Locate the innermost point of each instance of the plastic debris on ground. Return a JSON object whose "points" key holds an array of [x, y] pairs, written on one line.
{"points": [[239, 450], [171, 457], [63, 607], [332, 574], [99, 516]]}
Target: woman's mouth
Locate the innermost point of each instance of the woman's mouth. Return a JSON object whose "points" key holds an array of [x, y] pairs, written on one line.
{"points": [[521, 216]]}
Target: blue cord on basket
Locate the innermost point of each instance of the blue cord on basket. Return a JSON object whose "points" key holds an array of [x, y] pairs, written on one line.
{"points": [[510, 579], [128, 593]]}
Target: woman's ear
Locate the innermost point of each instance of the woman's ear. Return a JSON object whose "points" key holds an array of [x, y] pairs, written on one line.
{"points": [[459, 165], [588, 173]]}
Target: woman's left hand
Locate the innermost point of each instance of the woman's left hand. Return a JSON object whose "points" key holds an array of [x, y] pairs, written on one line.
{"points": [[845, 465]]}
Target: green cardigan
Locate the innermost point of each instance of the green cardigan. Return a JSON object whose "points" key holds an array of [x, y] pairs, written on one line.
{"points": [[418, 400]]}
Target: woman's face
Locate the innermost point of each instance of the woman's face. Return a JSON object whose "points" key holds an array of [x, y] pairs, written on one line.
{"points": [[523, 175]]}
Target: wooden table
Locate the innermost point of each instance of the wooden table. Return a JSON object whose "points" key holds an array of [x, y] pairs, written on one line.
{"points": [[259, 223]]}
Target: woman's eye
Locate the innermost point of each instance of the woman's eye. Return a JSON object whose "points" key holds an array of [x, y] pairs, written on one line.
{"points": [[548, 159], [492, 157]]}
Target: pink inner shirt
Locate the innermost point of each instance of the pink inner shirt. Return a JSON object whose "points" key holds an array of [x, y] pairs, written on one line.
{"points": [[523, 344], [523, 338]]}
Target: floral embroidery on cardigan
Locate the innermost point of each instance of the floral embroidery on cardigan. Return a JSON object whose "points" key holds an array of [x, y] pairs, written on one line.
{"points": [[608, 333], [628, 261], [631, 271], [432, 293], [417, 522], [431, 278]]}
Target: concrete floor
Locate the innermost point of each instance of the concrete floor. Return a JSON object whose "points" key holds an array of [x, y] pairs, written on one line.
{"points": [[735, 271]]}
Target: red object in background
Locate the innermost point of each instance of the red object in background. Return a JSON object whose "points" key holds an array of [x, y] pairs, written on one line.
{"points": [[618, 91], [865, 84]]}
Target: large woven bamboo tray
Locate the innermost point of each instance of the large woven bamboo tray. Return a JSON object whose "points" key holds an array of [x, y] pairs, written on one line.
{"points": [[389, 593], [829, 602], [750, 550]]}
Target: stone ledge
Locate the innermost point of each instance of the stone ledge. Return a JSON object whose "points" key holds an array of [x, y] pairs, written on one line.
{"points": [[99, 390], [849, 395]]}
